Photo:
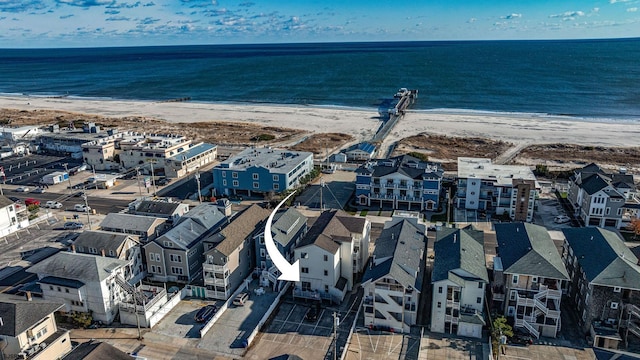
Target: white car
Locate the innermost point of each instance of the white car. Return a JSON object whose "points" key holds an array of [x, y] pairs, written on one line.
{"points": [[39, 190], [561, 219], [81, 208], [53, 205], [22, 189]]}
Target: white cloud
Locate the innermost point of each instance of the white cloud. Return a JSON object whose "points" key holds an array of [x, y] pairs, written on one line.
{"points": [[472, 20], [633, 9], [511, 16], [618, 1], [568, 15]]}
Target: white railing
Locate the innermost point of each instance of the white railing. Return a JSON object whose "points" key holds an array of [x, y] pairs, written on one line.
{"points": [[526, 325]]}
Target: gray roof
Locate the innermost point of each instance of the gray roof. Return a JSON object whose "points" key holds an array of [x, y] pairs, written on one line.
{"points": [[331, 228], [407, 165], [19, 314], [94, 350], [529, 250], [184, 235], [101, 240], [402, 245], [363, 146], [207, 214], [193, 151], [138, 223], [604, 257], [82, 267], [286, 225], [242, 226], [4, 201], [459, 251], [275, 160], [594, 183], [157, 207]]}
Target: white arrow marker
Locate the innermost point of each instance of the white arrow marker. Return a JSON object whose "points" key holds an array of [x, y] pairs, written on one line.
{"points": [[290, 272]]}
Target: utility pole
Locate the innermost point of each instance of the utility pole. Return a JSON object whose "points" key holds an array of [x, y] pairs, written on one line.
{"points": [[153, 178], [135, 308], [69, 176], [198, 181], [86, 206], [138, 179], [336, 323]]}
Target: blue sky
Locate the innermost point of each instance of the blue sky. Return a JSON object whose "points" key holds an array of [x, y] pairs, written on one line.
{"points": [[74, 23]]}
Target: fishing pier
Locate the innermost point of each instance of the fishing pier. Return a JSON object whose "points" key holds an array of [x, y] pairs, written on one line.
{"points": [[405, 98]]}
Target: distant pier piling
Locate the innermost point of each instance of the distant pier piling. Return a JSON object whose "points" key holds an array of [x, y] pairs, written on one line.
{"points": [[405, 98]]}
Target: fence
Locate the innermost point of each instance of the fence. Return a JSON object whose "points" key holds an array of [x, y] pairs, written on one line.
{"points": [[223, 308], [267, 314]]}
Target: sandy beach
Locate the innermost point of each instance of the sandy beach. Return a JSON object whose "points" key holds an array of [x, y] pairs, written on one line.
{"points": [[360, 123]]}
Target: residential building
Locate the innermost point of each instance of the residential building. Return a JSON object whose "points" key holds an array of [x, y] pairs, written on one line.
{"points": [[19, 133], [168, 209], [261, 170], [66, 142], [113, 245], [496, 189], [332, 255], [402, 182], [393, 281], [96, 350], [360, 152], [9, 221], [604, 284], [598, 198], [528, 278], [146, 228], [28, 329], [229, 259], [190, 159], [83, 283], [459, 278], [177, 254], [288, 228]]}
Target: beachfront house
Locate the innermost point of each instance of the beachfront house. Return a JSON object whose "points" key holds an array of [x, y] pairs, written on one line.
{"points": [[287, 230], [177, 254], [167, 209], [402, 182], [332, 254], [29, 330], [9, 221], [598, 198], [84, 283], [489, 188], [261, 171], [146, 228], [360, 152], [459, 278], [392, 282], [528, 278], [229, 256], [604, 285]]}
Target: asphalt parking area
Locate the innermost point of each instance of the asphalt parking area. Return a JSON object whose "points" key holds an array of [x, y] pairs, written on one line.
{"points": [[546, 352], [367, 345], [180, 322]]}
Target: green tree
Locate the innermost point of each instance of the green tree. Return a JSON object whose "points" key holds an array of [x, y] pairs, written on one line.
{"points": [[499, 328]]}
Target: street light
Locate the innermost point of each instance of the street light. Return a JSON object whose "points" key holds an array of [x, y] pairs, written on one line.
{"points": [[68, 176]]}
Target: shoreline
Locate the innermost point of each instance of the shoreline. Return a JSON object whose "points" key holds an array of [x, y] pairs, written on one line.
{"points": [[529, 128]]}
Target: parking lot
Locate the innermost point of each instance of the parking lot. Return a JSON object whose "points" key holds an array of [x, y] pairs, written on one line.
{"points": [[28, 170], [367, 344], [336, 192], [180, 322]]}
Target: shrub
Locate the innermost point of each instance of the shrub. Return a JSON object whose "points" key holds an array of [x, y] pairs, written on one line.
{"points": [[264, 137]]}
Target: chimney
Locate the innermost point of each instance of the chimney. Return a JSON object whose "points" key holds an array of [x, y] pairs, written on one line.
{"points": [[28, 295], [73, 248], [102, 252]]}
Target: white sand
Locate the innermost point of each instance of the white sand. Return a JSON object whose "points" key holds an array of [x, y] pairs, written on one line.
{"points": [[517, 128]]}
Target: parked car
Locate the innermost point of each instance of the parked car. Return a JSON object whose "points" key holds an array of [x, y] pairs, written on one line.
{"points": [[313, 312], [72, 225], [241, 299], [561, 219], [81, 208], [520, 338], [39, 190], [22, 189], [14, 199], [32, 201], [163, 181], [52, 204], [206, 313]]}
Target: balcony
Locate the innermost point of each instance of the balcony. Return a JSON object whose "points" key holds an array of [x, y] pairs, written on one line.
{"points": [[215, 268]]}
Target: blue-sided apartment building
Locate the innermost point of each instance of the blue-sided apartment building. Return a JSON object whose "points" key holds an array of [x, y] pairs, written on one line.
{"points": [[261, 170], [402, 182]]}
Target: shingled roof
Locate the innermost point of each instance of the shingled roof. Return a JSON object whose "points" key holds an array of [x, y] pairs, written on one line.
{"points": [[137, 223], [19, 314], [286, 225], [399, 254], [332, 228], [82, 267], [461, 252], [230, 237], [529, 250], [101, 240], [5, 201], [604, 257]]}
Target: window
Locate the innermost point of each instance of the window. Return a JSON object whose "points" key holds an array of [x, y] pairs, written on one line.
{"points": [[93, 250], [112, 253], [439, 304], [175, 258], [256, 177], [167, 243], [515, 279], [59, 290], [617, 289], [304, 255], [304, 270], [152, 257], [326, 273], [50, 287], [224, 174], [256, 185], [614, 305], [326, 257], [236, 183], [276, 177], [224, 182], [262, 253], [326, 288], [153, 268], [159, 270], [276, 186], [66, 290], [439, 289], [157, 257], [261, 240], [480, 285], [534, 279], [176, 270], [478, 300], [234, 175]]}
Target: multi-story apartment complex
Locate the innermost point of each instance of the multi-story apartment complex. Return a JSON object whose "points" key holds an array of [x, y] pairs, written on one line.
{"points": [[604, 284], [598, 198], [229, 258], [459, 278], [9, 220], [393, 281], [84, 283], [261, 170], [402, 182], [496, 189], [528, 278], [332, 254], [287, 229]]}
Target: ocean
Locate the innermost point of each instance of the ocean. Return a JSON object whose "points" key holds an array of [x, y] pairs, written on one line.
{"points": [[579, 78]]}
